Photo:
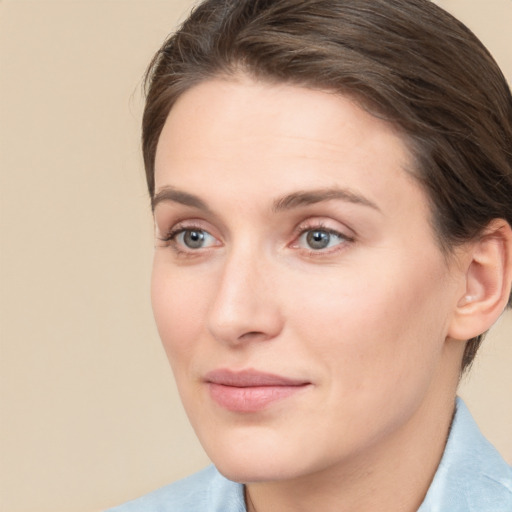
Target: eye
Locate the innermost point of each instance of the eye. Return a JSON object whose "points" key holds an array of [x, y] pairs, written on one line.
{"points": [[193, 238], [319, 239], [187, 239]]}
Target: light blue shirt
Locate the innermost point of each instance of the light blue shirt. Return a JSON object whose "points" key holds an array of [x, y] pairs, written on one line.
{"points": [[472, 477]]}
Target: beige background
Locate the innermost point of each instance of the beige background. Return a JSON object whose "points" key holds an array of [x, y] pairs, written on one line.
{"points": [[89, 413]]}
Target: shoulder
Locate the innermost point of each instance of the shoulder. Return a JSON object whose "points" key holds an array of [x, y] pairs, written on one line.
{"points": [[472, 475], [206, 491]]}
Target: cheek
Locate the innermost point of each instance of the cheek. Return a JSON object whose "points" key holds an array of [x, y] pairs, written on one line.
{"points": [[178, 307], [375, 329]]}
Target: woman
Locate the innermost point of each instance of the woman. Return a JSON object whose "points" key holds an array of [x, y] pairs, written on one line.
{"points": [[331, 185]]}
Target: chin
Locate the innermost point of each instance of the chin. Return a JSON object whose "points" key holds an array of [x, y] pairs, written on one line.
{"points": [[253, 471], [261, 459], [244, 466]]}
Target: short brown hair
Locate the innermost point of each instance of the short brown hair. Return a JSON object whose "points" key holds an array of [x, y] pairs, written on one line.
{"points": [[406, 61]]}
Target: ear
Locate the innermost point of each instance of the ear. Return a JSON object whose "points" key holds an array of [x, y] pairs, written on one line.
{"points": [[488, 265]]}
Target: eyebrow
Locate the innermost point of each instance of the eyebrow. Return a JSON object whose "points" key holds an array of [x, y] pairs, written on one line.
{"points": [[287, 202], [309, 197], [178, 196]]}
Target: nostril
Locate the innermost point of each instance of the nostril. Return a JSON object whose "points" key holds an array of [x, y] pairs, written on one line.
{"points": [[252, 335]]}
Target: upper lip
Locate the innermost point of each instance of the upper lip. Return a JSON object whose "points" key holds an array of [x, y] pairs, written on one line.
{"points": [[250, 378]]}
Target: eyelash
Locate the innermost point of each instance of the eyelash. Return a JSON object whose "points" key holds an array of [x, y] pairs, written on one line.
{"points": [[170, 239], [320, 226], [175, 231]]}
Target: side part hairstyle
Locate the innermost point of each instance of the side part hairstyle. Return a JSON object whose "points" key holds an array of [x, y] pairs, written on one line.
{"points": [[405, 61]]}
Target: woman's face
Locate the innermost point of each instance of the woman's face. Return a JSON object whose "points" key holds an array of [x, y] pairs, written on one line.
{"points": [[297, 285]]}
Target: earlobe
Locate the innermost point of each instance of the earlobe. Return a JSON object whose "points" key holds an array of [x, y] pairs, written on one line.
{"points": [[487, 282]]}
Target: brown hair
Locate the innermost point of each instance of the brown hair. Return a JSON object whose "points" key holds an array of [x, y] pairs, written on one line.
{"points": [[407, 61]]}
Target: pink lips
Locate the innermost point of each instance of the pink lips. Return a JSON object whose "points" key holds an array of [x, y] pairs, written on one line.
{"points": [[250, 390]]}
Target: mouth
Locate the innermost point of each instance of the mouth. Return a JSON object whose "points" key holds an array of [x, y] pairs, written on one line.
{"points": [[250, 390]]}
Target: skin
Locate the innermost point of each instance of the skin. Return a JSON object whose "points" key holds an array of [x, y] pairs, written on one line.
{"points": [[365, 321]]}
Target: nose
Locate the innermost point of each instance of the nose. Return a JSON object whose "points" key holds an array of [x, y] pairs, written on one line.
{"points": [[245, 307]]}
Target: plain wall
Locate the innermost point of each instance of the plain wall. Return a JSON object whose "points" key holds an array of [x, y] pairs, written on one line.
{"points": [[89, 412]]}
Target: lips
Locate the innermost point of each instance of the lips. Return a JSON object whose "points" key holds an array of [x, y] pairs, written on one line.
{"points": [[250, 390]]}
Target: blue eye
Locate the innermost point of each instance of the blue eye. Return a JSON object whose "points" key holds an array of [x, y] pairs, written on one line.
{"points": [[318, 239], [194, 238]]}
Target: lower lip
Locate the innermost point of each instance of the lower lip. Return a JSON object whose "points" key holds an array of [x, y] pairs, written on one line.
{"points": [[250, 399]]}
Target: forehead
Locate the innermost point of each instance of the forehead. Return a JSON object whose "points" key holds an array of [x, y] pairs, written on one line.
{"points": [[245, 105], [248, 137]]}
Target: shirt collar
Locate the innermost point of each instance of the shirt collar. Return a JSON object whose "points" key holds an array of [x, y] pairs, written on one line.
{"points": [[472, 476]]}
